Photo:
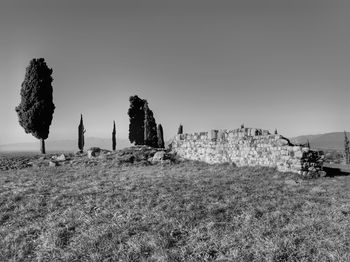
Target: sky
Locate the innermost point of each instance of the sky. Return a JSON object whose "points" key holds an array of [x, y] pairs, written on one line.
{"points": [[206, 64]]}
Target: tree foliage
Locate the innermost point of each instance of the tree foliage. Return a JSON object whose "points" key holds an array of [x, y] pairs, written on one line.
{"points": [[150, 127], [160, 136], [140, 115], [137, 115], [180, 130], [36, 108], [308, 143], [81, 131], [114, 140]]}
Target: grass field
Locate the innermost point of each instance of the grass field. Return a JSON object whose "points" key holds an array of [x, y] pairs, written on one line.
{"points": [[177, 212]]}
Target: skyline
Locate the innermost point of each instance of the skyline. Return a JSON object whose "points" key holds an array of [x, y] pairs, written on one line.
{"points": [[267, 64]]}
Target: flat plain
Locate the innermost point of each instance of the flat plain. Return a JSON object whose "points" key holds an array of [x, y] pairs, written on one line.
{"points": [[105, 210]]}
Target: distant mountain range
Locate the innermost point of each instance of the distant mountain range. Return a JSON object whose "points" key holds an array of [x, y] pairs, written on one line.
{"points": [[333, 140], [66, 145]]}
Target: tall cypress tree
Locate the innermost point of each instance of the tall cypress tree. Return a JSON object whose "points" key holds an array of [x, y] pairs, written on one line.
{"points": [[81, 132], [308, 143], [146, 125], [150, 127], [114, 140], [160, 136], [36, 108], [180, 130]]}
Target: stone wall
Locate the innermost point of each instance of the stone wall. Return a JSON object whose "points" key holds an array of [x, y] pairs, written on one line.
{"points": [[248, 147]]}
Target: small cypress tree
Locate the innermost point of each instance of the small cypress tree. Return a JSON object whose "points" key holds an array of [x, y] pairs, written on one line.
{"points": [[160, 136], [81, 131], [180, 130], [36, 108], [346, 149], [114, 140], [308, 143], [276, 131], [242, 126]]}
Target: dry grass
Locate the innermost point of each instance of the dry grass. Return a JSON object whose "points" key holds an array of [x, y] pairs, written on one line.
{"points": [[184, 212]]}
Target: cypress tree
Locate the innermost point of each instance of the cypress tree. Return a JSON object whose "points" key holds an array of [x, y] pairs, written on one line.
{"points": [[308, 143], [346, 149], [150, 127], [114, 140], [146, 130], [81, 131], [160, 136], [137, 115], [36, 108], [276, 131], [140, 114], [180, 130]]}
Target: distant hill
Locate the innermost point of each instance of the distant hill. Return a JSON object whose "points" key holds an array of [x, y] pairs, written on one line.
{"points": [[333, 140], [66, 145]]}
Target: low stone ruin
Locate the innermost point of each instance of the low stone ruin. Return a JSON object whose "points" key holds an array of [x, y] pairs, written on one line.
{"points": [[136, 155], [249, 147]]}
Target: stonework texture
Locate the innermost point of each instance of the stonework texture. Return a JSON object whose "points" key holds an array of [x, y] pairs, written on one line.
{"points": [[248, 147]]}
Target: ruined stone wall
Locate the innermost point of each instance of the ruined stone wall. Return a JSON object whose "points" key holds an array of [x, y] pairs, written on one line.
{"points": [[248, 147]]}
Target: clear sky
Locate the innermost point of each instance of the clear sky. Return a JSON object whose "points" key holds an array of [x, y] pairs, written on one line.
{"points": [[206, 64]]}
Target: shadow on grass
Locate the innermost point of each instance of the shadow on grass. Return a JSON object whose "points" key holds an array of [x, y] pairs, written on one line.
{"points": [[332, 172]]}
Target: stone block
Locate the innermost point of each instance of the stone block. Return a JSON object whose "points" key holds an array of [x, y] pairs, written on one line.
{"points": [[213, 135], [296, 148], [289, 148], [305, 149], [265, 132], [221, 135], [282, 142], [298, 154]]}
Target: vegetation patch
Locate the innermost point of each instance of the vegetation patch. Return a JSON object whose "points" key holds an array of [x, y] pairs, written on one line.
{"points": [[188, 211]]}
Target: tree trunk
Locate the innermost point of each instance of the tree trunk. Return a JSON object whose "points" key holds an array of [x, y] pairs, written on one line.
{"points": [[42, 147]]}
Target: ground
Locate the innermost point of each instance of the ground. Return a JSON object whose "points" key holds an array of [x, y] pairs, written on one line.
{"points": [[105, 209]]}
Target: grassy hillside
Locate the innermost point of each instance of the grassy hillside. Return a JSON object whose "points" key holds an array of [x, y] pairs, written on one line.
{"points": [[333, 140], [175, 212]]}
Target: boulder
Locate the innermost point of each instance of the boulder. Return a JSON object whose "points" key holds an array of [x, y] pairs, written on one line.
{"points": [[129, 158], [52, 164], [158, 156], [62, 157], [93, 152]]}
